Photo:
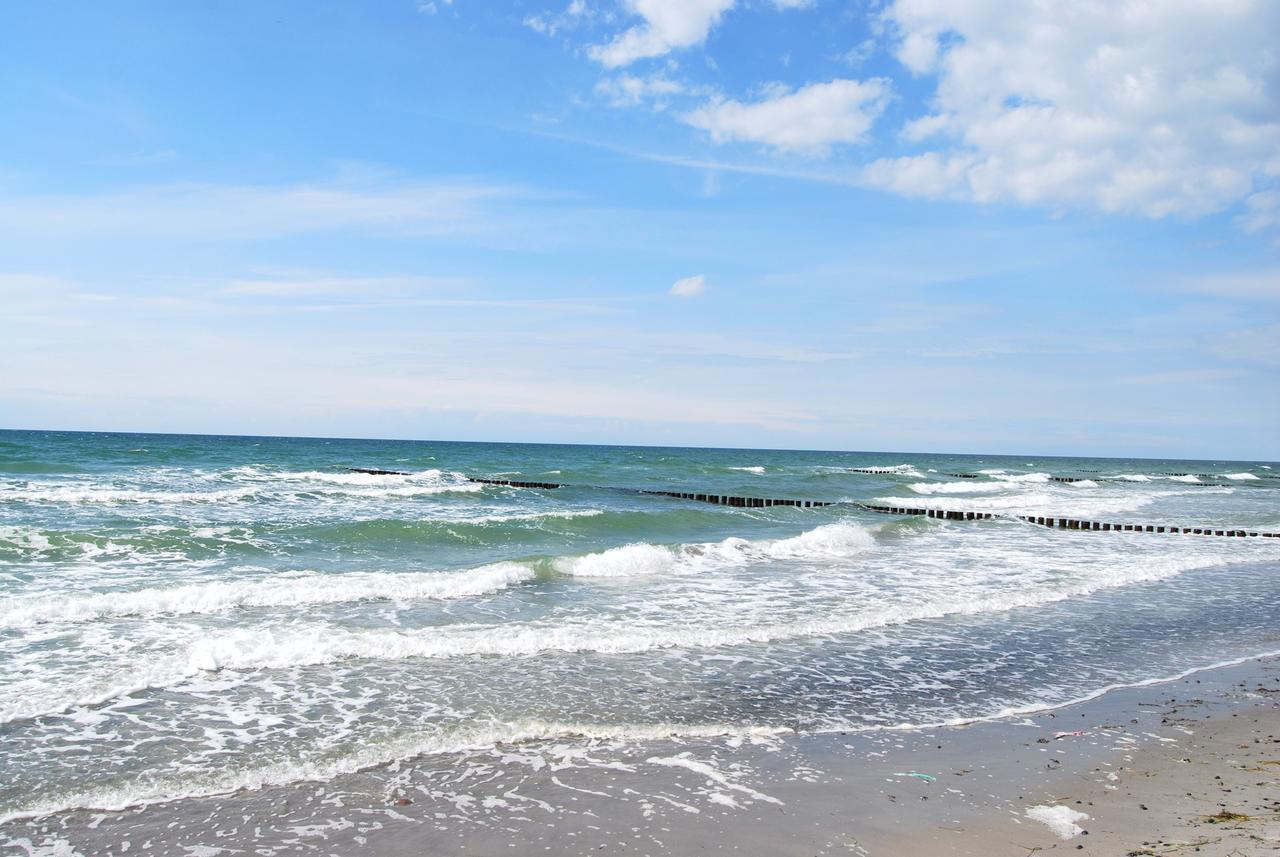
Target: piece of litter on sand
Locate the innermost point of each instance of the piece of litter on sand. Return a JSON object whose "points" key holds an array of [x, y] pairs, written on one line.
{"points": [[1060, 819], [928, 778], [1076, 734]]}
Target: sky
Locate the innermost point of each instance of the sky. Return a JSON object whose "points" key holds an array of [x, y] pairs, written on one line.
{"points": [[904, 225]]}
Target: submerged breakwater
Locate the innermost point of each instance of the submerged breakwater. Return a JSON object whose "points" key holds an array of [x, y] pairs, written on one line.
{"points": [[184, 616], [944, 514]]}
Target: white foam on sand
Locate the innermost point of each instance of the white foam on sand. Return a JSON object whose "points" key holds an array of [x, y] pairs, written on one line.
{"points": [[713, 775], [321, 767], [1060, 819]]}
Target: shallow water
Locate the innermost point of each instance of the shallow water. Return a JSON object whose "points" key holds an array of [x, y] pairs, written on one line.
{"points": [[184, 616]]}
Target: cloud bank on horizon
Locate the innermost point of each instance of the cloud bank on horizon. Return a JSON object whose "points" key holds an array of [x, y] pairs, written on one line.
{"points": [[910, 224]]}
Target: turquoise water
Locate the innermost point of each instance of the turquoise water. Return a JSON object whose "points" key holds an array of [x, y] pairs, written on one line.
{"points": [[185, 616]]}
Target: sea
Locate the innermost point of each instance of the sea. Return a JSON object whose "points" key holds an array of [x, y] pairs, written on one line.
{"points": [[190, 616]]}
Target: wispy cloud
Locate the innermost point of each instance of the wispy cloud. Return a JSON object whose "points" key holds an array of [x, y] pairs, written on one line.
{"points": [[1256, 285], [689, 287], [628, 90], [304, 284], [1184, 377], [254, 212], [1256, 346]]}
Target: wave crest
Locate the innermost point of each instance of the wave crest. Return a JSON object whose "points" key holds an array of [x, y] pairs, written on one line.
{"points": [[825, 542], [311, 589]]}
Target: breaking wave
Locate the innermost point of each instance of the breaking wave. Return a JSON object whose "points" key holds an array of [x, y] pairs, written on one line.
{"points": [[251, 649], [221, 596], [828, 541]]}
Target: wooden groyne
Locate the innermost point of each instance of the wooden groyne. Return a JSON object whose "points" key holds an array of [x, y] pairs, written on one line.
{"points": [[701, 497], [515, 484], [1072, 524], [1068, 523], [942, 514], [918, 511], [742, 502], [369, 471]]}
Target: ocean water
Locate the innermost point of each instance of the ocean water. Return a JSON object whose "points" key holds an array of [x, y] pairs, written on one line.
{"points": [[187, 616]]}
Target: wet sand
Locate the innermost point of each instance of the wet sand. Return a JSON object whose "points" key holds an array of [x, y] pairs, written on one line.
{"points": [[1189, 766]]}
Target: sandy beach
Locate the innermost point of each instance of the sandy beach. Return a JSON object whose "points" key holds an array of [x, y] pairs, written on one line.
{"points": [[1187, 766]]}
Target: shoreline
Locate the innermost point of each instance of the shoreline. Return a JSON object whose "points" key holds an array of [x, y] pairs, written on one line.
{"points": [[956, 789], [546, 732]]}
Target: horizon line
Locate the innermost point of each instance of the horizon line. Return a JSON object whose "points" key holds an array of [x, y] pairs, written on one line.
{"points": [[621, 445]]}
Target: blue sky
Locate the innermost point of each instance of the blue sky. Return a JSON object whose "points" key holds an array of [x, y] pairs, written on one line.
{"points": [[905, 225]]}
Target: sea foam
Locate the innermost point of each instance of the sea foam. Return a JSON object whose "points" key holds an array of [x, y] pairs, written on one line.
{"points": [[824, 542], [216, 597], [301, 645]]}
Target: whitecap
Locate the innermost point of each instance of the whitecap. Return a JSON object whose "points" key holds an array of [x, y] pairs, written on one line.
{"points": [[244, 650], [640, 559], [220, 596], [626, 561], [955, 487]]}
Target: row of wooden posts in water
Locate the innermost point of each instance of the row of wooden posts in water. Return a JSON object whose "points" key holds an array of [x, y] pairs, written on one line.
{"points": [[717, 499], [1068, 479], [941, 514], [1065, 523]]}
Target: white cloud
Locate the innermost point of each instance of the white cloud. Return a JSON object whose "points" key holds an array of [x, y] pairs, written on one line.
{"points": [[668, 25], [810, 119], [430, 7], [858, 54], [1165, 108], [628, 90], [689, 287], [1261, 211], [549, 24]]}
